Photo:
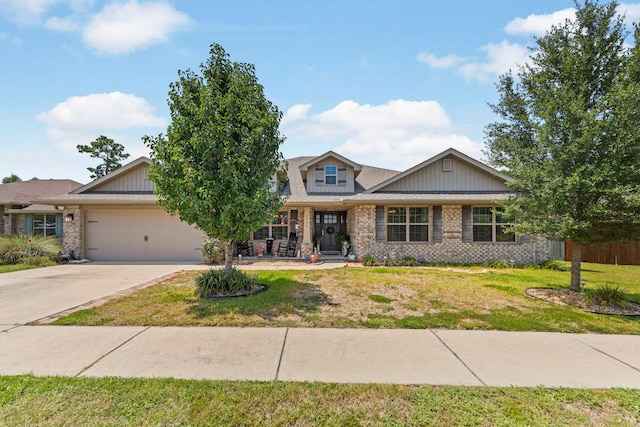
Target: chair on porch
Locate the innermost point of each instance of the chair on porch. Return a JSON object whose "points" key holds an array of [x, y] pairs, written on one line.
{"points": [[288, 248], [244, 248]]}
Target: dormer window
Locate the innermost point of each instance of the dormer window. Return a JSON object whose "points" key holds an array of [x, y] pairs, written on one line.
{"points": [[330, 175]]}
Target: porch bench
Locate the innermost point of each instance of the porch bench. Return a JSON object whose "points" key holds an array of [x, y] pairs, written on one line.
{"points": [[69, 256]]}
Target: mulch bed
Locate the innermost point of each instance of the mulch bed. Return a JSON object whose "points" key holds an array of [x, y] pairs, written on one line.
{"points": [[565, 296]]}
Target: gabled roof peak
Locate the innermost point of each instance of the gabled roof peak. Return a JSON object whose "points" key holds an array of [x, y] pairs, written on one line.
{"points": [[113, 174], [356, 166], [449, 152]]}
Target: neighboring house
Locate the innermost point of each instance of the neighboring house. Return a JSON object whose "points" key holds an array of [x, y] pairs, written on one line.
{"points": [[18, 214], [442, 210]]}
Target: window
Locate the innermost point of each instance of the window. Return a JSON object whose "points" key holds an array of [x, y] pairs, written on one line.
{"points": [[489, 225], [330, 175], [278, 228], [44, 225], [407, 224]]}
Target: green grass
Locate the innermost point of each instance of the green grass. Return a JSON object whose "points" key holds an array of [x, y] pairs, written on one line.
{"points": [[380, 297], [28, 400], [7, 268]]}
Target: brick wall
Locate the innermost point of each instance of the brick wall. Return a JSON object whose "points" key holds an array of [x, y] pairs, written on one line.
{"points": [[73, 231], [451, 249]]}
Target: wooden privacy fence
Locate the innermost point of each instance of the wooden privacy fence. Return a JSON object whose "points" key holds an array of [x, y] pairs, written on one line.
{"points": [[612, 253]]}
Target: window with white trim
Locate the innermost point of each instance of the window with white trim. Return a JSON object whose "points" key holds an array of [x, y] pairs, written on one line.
{"points": [[278, 228], [407, 224], [490, 224], [330, 175]]}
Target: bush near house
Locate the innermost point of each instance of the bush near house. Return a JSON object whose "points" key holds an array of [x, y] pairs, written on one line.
{"points": [[16, 248], [213, 250]]}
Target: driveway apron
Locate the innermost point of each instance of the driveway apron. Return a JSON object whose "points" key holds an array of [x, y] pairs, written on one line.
{"points": [[29, 295]]}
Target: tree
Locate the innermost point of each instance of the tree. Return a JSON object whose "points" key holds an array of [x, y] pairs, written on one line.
{"points": [[569, 133], [221, 151], [11, 178], [106, 149]]}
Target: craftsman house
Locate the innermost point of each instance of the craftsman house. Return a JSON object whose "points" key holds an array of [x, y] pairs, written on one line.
{"points": [[442, 210]]}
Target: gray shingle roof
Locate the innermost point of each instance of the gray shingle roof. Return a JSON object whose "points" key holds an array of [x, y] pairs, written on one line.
{"points": [[24, 192], [368, 177]]}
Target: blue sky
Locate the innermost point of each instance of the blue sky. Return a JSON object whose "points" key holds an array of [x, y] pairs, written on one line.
{"points": [[384, 83]]}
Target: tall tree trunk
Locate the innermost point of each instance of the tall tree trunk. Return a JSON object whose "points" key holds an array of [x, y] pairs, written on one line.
{"points": [[576, 259], [228, 255]]}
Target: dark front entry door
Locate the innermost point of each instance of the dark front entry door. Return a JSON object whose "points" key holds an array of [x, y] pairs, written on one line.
{"points": [[328, 225]]}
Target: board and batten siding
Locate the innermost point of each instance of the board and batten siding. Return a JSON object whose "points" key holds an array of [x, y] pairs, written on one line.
{"points": [[135, 180], [462, 177], [313, 187]]}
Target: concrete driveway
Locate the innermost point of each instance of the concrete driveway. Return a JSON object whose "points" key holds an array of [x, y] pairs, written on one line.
{"points": [[30, 295]]}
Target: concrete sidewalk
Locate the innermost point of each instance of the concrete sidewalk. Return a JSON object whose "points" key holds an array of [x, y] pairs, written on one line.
{"points": [[438, 357]]}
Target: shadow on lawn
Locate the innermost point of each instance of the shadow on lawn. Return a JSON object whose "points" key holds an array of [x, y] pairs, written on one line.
{"points": [[284, 297]]}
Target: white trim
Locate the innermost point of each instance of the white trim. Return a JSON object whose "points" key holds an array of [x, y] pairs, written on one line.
{"points": [[305, 167]]}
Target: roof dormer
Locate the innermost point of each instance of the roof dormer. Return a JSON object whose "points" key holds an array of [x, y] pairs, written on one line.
{"points": [[330, 173]]}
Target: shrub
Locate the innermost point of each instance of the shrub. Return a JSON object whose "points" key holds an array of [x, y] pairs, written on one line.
{"points": [[409, 261], [15, 248], [553, 264], [222, 282], [389, 261], [498, 263], [213, 249], [609, 294], [368, 261]]}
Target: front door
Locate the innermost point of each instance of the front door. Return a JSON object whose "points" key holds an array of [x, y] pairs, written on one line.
{"points": [[328, 225]]}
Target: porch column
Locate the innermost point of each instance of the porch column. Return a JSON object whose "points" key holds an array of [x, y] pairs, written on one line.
{"points": [[307, 232], [308, 222]]}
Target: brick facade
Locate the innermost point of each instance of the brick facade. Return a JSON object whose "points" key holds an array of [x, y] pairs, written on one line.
{"points": [[451, 249], [73, 231]]}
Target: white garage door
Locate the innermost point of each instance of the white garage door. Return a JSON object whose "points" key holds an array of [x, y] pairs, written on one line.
{"points": [[140, 235]]}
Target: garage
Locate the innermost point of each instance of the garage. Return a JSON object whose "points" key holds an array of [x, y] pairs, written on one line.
{"points": [[149, 235]]}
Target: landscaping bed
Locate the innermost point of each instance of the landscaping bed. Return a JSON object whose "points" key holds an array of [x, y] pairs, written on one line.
{"points": [[564, 296]]}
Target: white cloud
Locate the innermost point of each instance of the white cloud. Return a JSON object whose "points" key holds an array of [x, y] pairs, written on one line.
{"points": [[447, 61], [81, 119], [501, 58], [294, 114], [25, 12], [631, 11], [65, 25], [126, 27], [13, 41], [538, 25], [395, 135]]}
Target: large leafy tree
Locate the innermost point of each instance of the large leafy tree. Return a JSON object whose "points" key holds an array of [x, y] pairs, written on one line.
{"points": [[221, 152], [106, 149], [569, 133]]}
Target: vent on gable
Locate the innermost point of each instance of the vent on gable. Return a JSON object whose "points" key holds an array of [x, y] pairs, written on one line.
{"points": [[447, 165]]}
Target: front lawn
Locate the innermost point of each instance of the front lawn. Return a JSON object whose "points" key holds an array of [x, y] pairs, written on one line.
{"points": [[7, 268], [379, 297], [27, 400]]}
